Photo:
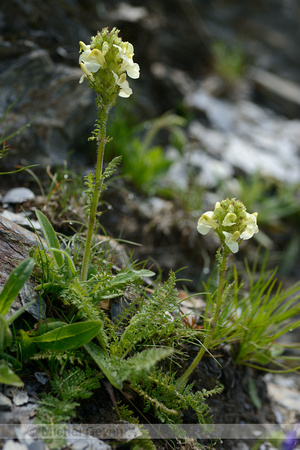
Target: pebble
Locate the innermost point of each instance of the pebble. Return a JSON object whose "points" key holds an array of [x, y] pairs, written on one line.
{"points": [[20, 398], [42, 377], [5, 403], [18, 195]]}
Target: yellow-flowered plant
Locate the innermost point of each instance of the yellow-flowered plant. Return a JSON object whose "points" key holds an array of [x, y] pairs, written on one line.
{"points": [[105, 62], [230, 221]]}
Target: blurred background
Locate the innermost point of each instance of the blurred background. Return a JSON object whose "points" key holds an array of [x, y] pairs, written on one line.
{"points": [[215, 113]]}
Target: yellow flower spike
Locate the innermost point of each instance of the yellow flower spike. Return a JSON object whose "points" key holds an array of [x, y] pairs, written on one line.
{"points": [[231, 222], [108, 54]]}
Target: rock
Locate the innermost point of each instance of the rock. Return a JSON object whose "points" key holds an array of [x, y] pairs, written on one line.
{"points": [[42, 377], [244, 137], [20, 398], [284, 391], [12, 445], [52, 101], [21, 219], [81, 441], [18, 195], [5, 403], [15, 243], [280, 94]]}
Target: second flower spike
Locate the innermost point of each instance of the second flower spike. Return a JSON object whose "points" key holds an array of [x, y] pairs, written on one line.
{"points": [[230, 221]]}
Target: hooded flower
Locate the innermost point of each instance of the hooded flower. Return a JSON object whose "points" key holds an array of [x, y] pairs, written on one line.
{"points": [[106, 63], [230, 221], [90, 61]]}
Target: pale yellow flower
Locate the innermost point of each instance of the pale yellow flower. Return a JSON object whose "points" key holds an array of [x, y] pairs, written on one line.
{"points": [[206, 223], [106, 63], [121, 81], [231, 240], [230, 221]]}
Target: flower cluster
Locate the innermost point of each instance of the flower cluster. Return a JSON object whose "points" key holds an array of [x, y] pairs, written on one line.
{"points": [[105, 63], [230, 221]]}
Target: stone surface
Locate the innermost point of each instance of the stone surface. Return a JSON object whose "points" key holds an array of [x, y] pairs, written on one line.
{"points": [[20, 398], [18, 195], [5, 403], [242, 136], [12, 445], [15, 243]]}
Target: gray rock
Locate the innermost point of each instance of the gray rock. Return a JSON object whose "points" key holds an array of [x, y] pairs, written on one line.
{"points": [[249, 139], [27, 294], [282, 94], [81, 441], [21, 219], [20, 398], [42, 377], [12, 445], [57, 107], [18, 195], [5, 403]]}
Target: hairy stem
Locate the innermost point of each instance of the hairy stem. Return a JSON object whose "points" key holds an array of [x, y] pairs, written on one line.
{"points": [[212, 323], [102, 115]]}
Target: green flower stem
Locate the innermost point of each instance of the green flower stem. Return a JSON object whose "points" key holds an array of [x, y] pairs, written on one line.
{"points": [[212, 323], [103, 115]]}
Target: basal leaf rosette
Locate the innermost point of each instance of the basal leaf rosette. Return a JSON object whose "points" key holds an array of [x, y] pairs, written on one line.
{"points": [[230, 221], [106, 62]]}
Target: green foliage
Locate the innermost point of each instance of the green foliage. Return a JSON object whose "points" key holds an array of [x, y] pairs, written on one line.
{"points": [[253, 318], [274, 202], [68, 337], [229, 61], [144, 163], [128, 350], [11, 289], [59, 406], [15, 282], [169, 398], [7, 376]]}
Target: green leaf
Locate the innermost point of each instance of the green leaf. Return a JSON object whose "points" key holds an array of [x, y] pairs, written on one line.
{"points": [[254, 394], [20, 311], [47, 325], [27, 347], [143, 362], [105, 364], [7, 376], [5, 334], [50, 237], [130, 275], [15, 282], [67, 256], [69, 336]]}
